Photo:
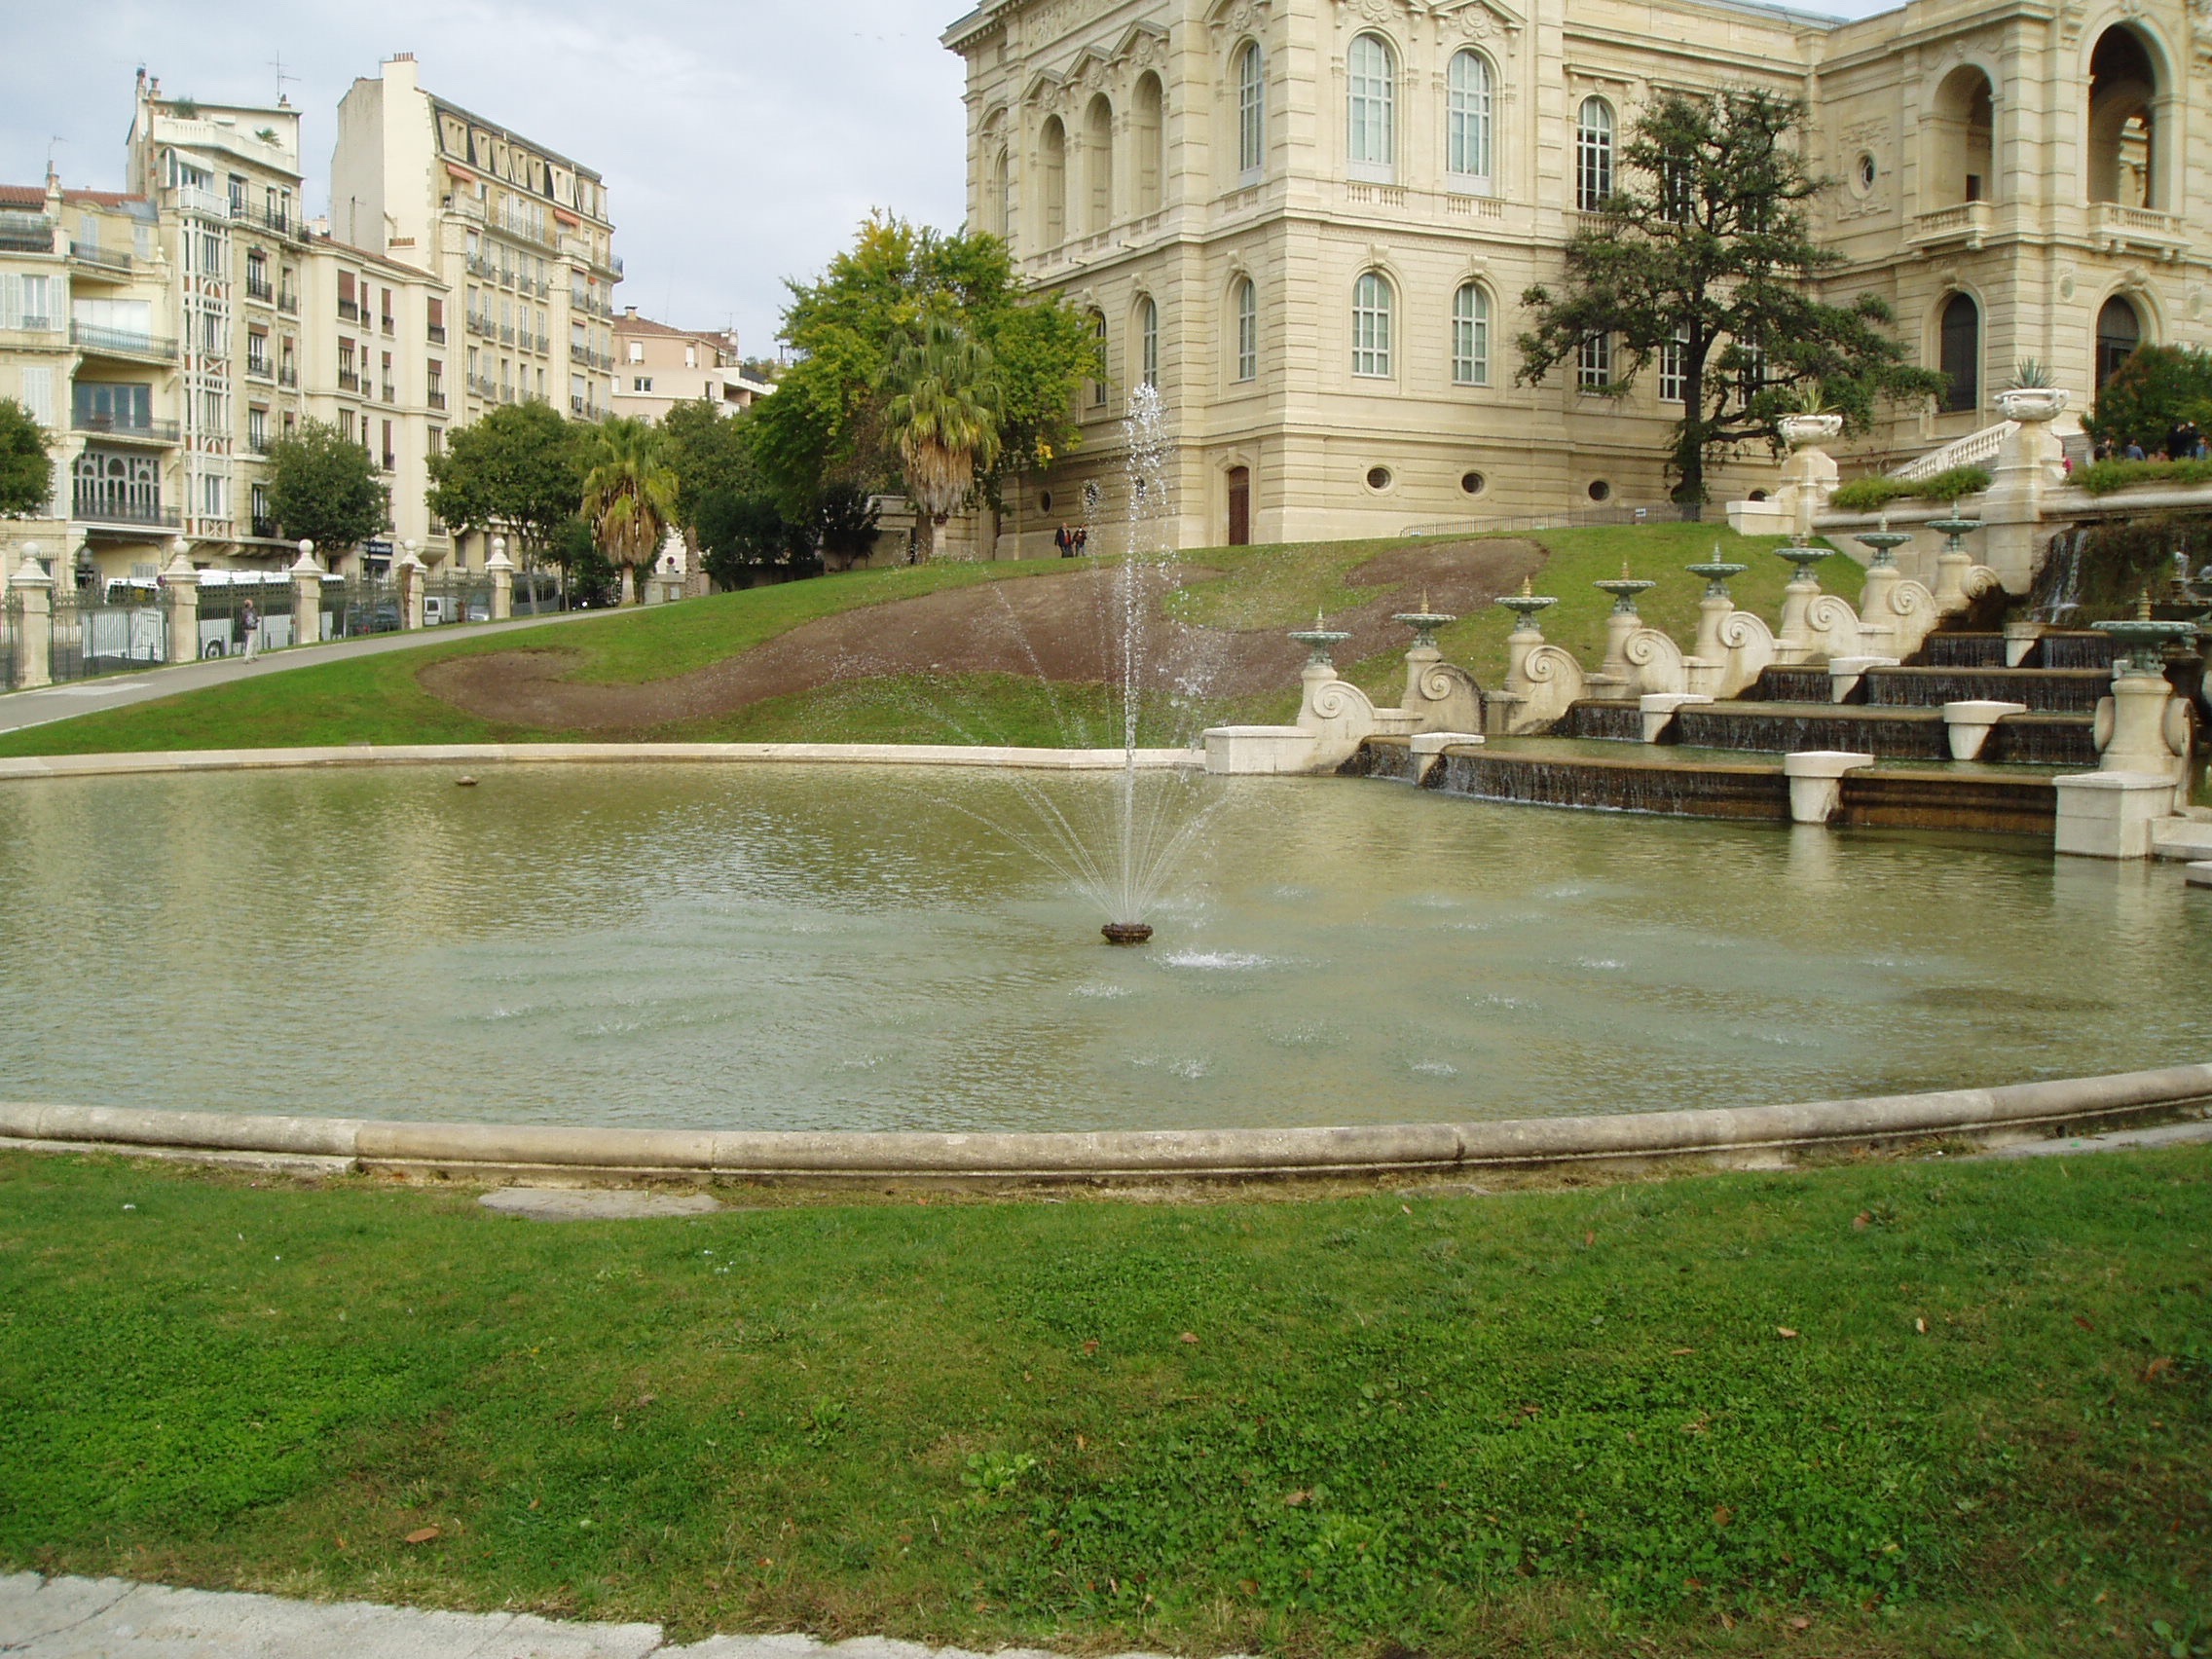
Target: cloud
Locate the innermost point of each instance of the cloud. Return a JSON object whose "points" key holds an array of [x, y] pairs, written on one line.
{"points": [[741, 141]]}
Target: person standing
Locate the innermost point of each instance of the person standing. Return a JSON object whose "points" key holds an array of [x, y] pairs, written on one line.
{"points": [[1064, 542], [249, 620]]}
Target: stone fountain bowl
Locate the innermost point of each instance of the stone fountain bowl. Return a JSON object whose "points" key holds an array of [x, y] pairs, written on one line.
{"points": [[2032, 404], [1799, 430]]}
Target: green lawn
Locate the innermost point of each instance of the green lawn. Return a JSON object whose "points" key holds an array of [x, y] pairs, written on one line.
{"points": [[1892, 1409], [377, 699]]}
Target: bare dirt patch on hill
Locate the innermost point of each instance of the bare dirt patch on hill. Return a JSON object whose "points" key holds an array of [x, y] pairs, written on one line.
{"points": [[1061, 628]]}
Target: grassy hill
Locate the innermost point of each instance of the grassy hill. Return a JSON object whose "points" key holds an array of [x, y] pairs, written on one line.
{"points": [[380, 699]]}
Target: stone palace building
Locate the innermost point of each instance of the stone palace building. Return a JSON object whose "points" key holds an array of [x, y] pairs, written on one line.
{"points": [[1310, 222]]}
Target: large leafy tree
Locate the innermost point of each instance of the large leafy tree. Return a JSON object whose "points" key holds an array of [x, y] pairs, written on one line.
{"points": [[322, 488], [1705, 253], [827, 423], [629, 493], [26, 470], [2150, 394], [520, 468], [942, 412]]}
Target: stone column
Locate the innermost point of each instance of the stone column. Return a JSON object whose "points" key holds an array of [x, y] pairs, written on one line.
{"points": [[501, 570], [407, 574], [2146, 719], [180, 603], [34, 645], [1795, 642], [307, 596], [2031, 461]]}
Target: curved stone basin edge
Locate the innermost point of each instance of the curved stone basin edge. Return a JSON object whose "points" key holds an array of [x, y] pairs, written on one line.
{"points": [[498, 754], [496, 1152]]}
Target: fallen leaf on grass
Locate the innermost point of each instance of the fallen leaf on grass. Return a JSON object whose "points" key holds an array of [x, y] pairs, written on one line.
{"points": [[2164, 1362], [1297, 1499], [1722, 1515], [1682, 1354], [1090, 1346], [422, 1535], [1785, 1332], [1920, 1325], [1188, 1337], [1589, 1239], [1861, 1222], [2083, 1323], [1800, 1623]]}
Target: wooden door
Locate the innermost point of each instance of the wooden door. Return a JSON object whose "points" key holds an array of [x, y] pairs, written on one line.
{"points": [[1240, 506]]}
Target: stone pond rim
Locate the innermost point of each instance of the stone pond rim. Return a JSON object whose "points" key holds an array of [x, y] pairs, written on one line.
{"points": [[496, 1153]]}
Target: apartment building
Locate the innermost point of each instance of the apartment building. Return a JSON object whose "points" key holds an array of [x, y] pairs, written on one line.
{"points": [[518, 235], [657, 366]]}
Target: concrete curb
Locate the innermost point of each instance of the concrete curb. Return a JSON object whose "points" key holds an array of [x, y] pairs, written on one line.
{"points": [[494, 1151], [543, 753]]}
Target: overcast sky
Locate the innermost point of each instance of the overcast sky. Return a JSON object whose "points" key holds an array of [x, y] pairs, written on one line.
{"points": [[741, 140]]}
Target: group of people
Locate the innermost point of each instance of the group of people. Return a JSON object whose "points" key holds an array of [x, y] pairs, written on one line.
{"points": [[2184, 443], [1070, 542]]}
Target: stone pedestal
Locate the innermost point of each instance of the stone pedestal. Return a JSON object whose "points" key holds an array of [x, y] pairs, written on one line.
{"points": [[1257, 750], [1796, 641], [2198, 874], [307, 596], [1616, 670], [1816, 782], [33, 589], [500, 568], [2141, 738], [180, 602], [2109, 814], [1971, 723], [1658, 710], [2031, 461], [1844, 673], [2020, 640]]}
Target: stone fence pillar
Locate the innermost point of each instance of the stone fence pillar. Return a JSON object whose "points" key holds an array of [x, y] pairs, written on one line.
{"points": [[407, 572], [307, 596], [34, 645], [500, 568], [180, 602]]}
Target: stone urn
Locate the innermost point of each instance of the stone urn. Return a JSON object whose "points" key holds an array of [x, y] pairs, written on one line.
{"points": [[2032, 405], [1801, 431]]}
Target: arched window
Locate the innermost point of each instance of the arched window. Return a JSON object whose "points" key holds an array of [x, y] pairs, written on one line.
{"points": [[1468, 119], [1964, 127], [1251, 109], [1247, 330], [1148, 342], [1593, 153], [1098, 163], [1370, 307], [1098, 380], [997, 208], [1148, 143], [1470, 336], [1054, 146], [1373, 107], [2118, 332], [2124, 155], [1960, 356]]}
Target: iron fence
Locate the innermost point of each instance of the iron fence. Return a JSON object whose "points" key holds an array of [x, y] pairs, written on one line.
{"points": [[108, 628]]}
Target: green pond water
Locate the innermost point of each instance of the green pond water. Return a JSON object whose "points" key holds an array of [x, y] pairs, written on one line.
{"points": [[786, 947]]}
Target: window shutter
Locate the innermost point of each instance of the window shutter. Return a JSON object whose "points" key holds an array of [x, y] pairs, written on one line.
{"points": [[38, 394], [11, 301]]}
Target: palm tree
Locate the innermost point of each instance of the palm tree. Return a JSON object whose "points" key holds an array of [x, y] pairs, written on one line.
{"points": [[945, 412], [629, 495]]}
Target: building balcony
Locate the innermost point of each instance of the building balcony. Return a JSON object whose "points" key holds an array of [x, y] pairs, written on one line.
{"points": [[99, 264], [258, 443], [95, 512], [480, 386], [260, 290], [436, 333], [435, 397], [288, 301], [191, 198], [349, 381], [391, 392], [479, 324], [390, 463], [121, 343], [265, 528], [288, 375], [389, 326], [139, 431], [27, 233], [1965, 224], [478, 266], [2118, 229], [543, 344], [257, 368], [506, 334], [34, 333], [350, 310]]}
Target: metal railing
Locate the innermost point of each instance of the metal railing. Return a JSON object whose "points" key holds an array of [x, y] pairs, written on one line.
{"points": [[289, 375], [350, 309], [119, 341], [108, 426], [93, 510], [257, 368], [100, 258], [25, 232], [435, 397], [258, 288], [349, 381], [391, 392], [389, 325], [288, 301], [437, 333]]}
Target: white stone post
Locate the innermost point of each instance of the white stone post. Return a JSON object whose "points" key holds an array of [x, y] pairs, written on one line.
{"points": [[1816, 782], [307, 596], [2031, 461], [501, 570], [1796, 641], [180, 602], [1969, 723], [1809, 476], [408, 573], [1709, 660], [2141, 727], [34, 645]]}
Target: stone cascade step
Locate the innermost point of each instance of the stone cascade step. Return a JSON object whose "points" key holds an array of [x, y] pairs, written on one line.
{"points": [[2045, 691], [1616, 719], [1789, 728], [1634, 783], [2073, 648], [1962, 650], [1791, 685], [1900, 798]]}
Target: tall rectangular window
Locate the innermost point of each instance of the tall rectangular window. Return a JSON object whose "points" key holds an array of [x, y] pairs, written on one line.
{"points": [[1247, 331], [1594, 363], [1470, 336], [1371, 309], [1373, 110], [1251, 109], [1674, 369]]}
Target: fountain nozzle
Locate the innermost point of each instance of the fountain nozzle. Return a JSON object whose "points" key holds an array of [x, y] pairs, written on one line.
{"points": [[1126, 933]]}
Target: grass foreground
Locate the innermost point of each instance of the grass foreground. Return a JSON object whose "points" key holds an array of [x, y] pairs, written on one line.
{"points": [[1888, 1409], [377, 699]]}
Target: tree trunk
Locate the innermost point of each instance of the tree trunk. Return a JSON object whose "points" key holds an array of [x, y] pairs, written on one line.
{"points": [[1689, 448], [629, 587]]}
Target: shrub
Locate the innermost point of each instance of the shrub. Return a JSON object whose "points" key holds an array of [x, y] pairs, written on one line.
{"points": [[2104, 477], [1869, 495], [2154, 391]]}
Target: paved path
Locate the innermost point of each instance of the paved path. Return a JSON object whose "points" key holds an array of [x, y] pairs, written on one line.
{"points": [[19, 709], [113, 1618]]}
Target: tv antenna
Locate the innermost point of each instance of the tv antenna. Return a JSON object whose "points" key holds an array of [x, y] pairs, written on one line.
{"points": [[277, 63]]}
